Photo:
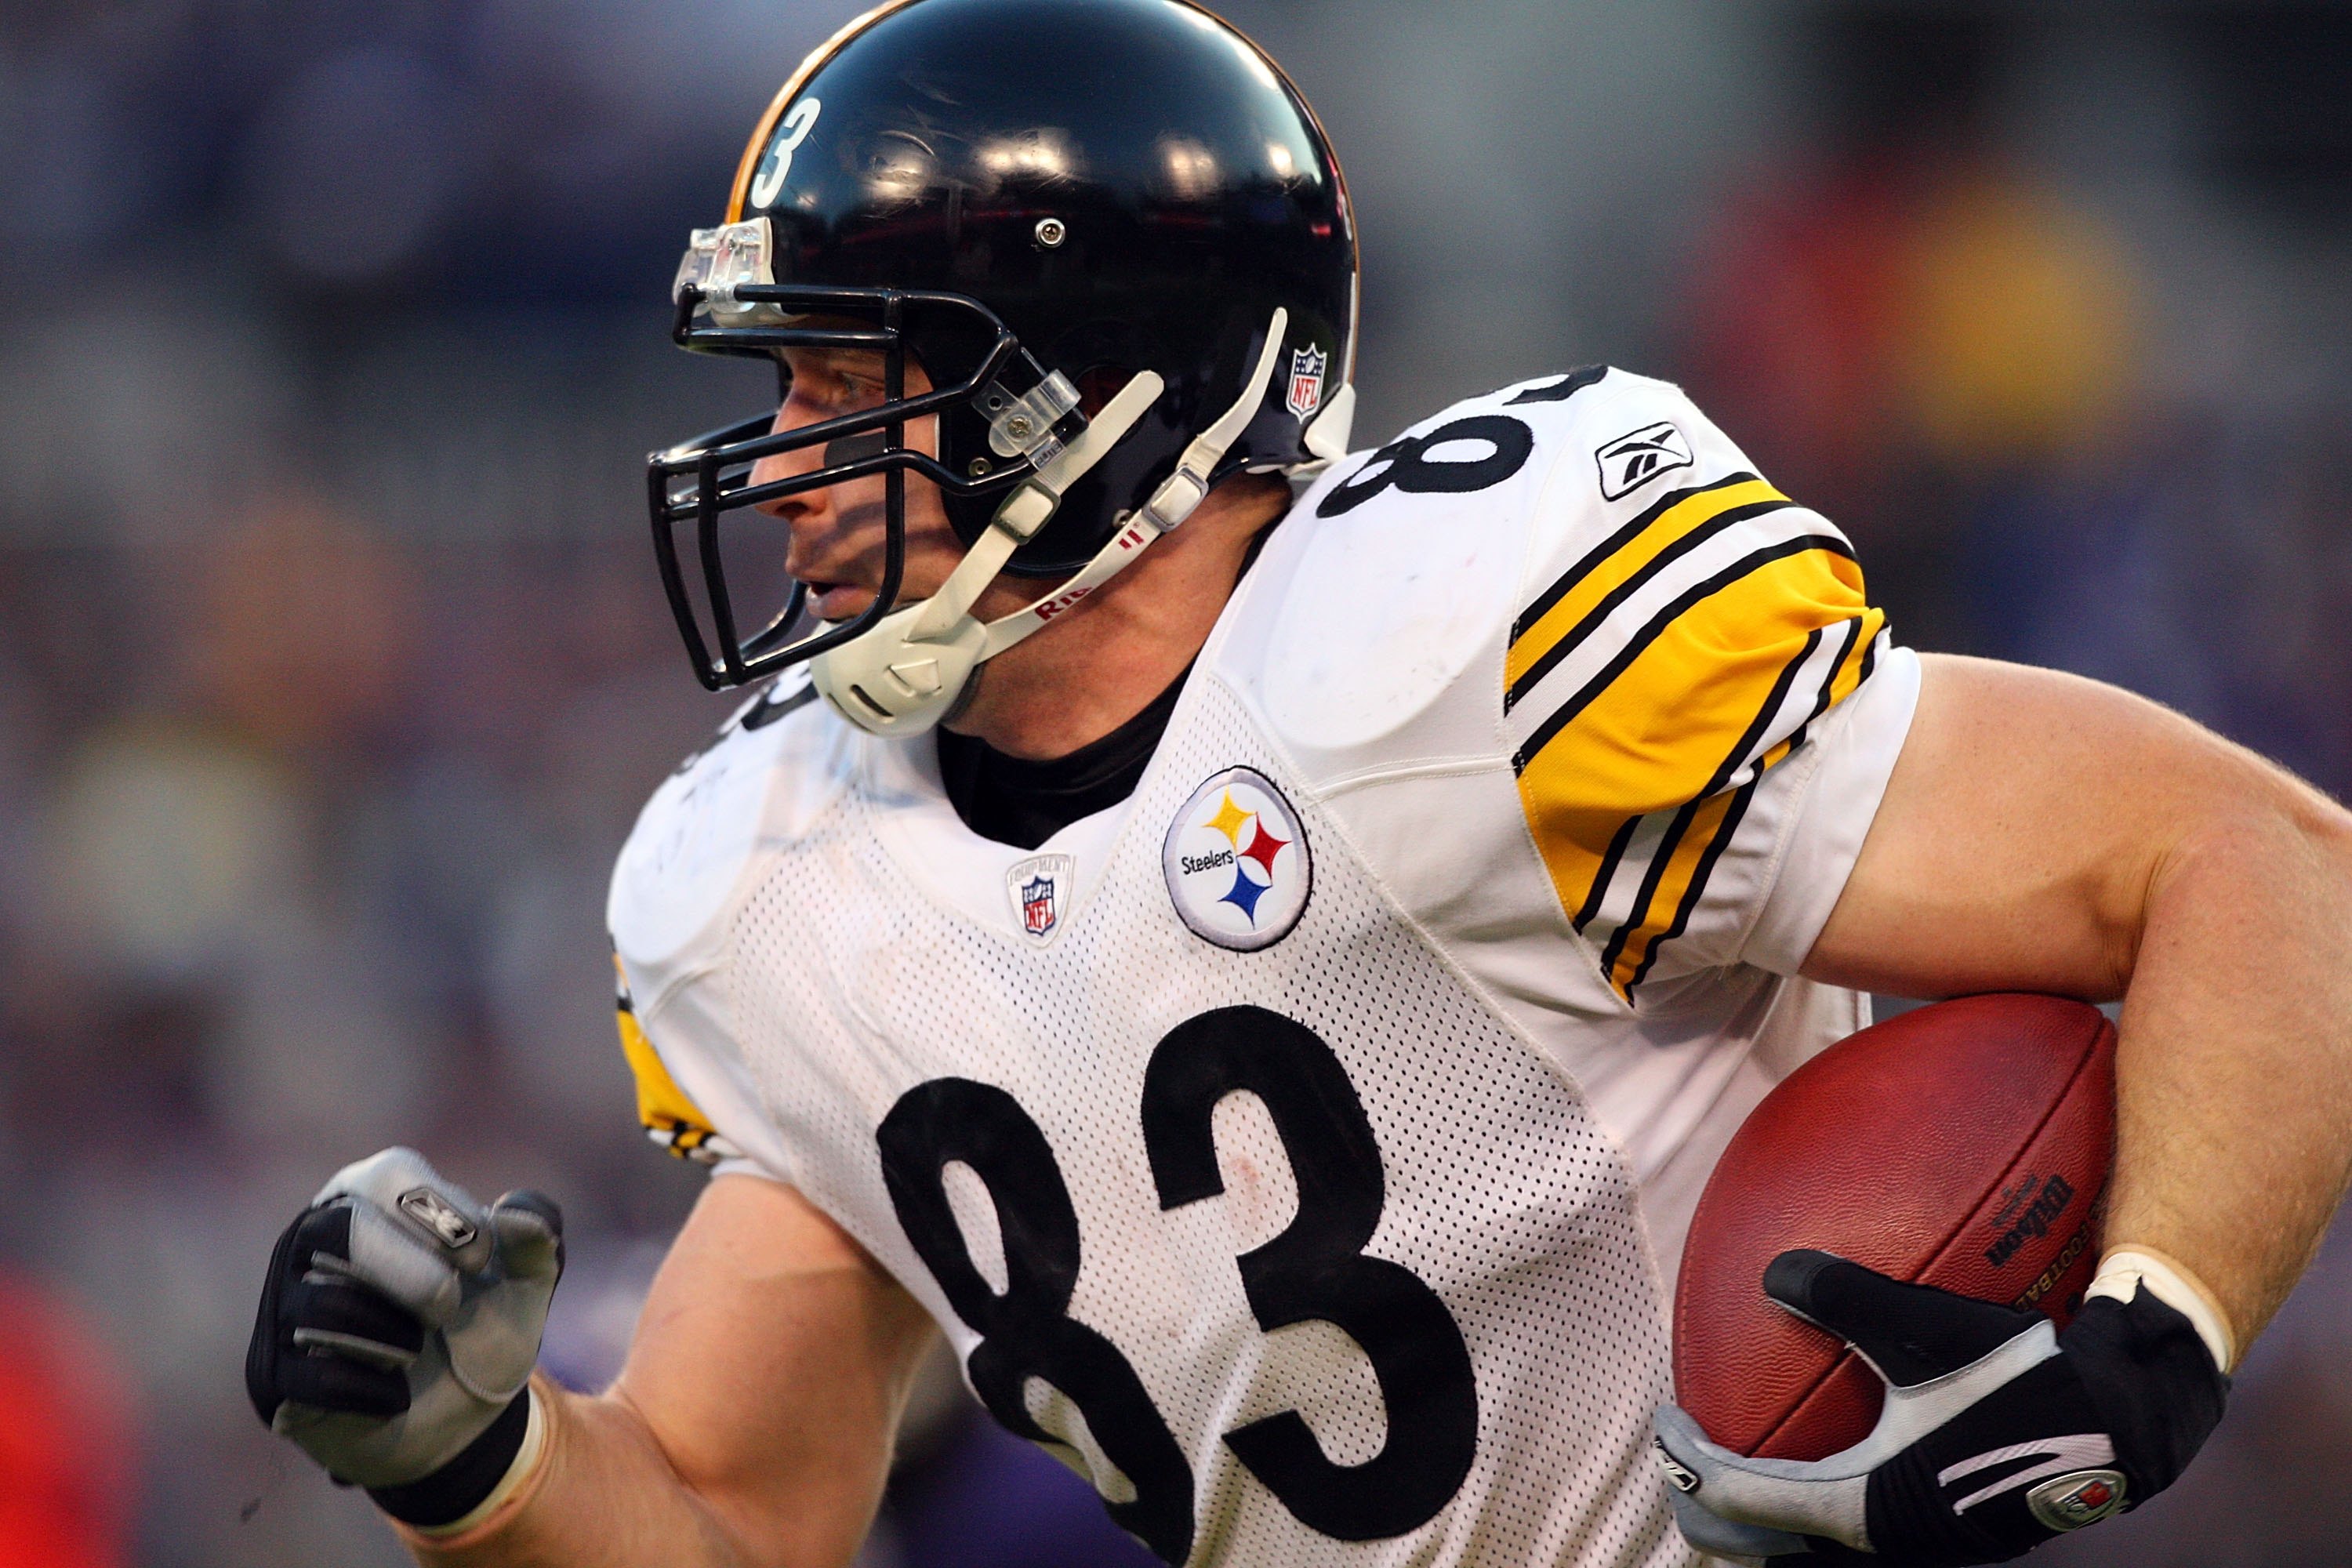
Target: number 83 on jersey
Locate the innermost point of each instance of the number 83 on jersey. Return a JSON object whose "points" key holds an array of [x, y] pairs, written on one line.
{"points": [[1315, 1270]]}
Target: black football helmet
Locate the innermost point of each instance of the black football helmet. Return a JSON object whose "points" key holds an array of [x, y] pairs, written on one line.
{"points": [[1031, 197]]}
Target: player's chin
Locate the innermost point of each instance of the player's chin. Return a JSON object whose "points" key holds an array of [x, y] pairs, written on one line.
{"points": [[839, 600]]}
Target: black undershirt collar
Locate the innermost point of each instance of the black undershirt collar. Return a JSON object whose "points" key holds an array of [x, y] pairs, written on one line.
{"points": [[1014, 801]]}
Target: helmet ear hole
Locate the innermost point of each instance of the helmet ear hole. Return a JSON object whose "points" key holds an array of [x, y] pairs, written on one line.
{"points": [[1097, 384]]}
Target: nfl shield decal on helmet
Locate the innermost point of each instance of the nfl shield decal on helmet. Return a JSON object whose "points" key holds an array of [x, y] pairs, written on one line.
{"points": [[1307, 367], [1237, 863], [1039, 886]]}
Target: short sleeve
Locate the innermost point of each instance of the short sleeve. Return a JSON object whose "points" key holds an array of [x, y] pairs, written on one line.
{"points": [[1682, 691]]}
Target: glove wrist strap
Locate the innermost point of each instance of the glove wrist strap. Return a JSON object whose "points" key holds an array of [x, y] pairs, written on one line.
{"points": [[2125, 1268], [484, 1475]]}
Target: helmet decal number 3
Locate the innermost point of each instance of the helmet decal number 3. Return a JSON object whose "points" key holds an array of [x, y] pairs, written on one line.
{"points": [[799, 121]]}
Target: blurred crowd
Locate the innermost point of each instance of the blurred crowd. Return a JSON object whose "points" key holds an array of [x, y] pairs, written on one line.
{"points": [[333, 669]]}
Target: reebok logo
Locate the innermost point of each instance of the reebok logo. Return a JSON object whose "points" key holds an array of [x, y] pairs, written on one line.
{"points": [[1636, 458], [437, 1215], [1679, 1476]]}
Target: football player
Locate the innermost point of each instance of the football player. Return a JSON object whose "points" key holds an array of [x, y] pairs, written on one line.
{"points": [[1261, 946]]}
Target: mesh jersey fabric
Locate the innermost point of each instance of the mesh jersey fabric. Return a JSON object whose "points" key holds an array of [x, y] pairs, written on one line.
{"points": [[817, 949]]}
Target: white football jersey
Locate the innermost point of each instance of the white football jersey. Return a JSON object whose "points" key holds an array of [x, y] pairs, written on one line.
{"points": [[1302, 1148]]}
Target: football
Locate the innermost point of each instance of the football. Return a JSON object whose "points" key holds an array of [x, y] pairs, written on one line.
{"points": [[1964, 1146]]}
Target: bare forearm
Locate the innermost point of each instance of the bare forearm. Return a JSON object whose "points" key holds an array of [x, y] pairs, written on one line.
{"points": [[752, 1425], [2045, 833], [2234, 1081], [605, 1496]]}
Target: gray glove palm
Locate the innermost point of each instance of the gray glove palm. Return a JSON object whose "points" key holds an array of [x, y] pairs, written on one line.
{"points": [[401, 1319]]}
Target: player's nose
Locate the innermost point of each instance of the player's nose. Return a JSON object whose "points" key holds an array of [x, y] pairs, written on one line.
{"points": [[777, 466]]}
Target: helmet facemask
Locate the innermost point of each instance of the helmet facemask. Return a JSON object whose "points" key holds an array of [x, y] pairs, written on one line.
{"points": [[725, 304], [892, 669]]}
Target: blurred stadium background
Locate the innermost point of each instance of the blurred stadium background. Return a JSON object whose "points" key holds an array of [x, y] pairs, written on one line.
{"points": [[332, 668]]}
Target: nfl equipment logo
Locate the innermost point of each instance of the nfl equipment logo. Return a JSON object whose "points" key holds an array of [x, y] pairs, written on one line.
{"points": [[1306, 381], [1037, 905], [1036, 886]]}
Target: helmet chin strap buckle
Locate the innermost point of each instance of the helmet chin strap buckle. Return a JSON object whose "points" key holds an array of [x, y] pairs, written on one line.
{"points": [[1024, 426], [1177, 499], [908, 673]]}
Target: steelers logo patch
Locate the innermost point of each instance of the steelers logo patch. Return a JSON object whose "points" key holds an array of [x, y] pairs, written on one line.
{"points": [[1236, 862]]}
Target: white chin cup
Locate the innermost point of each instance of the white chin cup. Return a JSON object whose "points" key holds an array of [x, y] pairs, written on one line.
{"points": [[890, 684], [909, 672]]}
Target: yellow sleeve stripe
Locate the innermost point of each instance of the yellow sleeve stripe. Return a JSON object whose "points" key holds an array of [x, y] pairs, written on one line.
{"points": [[1583, 596], [1686, 719], [1584, 828], [670, 1117], [1653, 718], [1678, 876]]}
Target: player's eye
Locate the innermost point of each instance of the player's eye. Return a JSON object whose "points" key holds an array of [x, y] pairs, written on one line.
{"points": [[838, 390]]}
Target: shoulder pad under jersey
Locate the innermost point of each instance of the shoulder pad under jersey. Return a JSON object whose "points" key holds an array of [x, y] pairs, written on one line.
{"points": [[768, 772], [1399, 577]]}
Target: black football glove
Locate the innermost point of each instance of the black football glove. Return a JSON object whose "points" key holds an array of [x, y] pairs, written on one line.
{"points": [[399, 1324], [1998, 1432]]}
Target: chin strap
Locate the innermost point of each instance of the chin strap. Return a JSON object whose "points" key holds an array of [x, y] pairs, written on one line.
{"points": [[906, 675]]}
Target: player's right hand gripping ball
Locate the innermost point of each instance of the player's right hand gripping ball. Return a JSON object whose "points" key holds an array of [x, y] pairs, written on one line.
{"points": [[400, 1319], [1998, 1433]]}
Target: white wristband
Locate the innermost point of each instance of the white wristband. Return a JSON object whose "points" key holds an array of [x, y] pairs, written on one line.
{"points": [[526, 1460], [2127, 1269]]}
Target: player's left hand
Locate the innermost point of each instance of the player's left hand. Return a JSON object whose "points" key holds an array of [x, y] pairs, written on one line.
{"points": [[1998, 1432]]}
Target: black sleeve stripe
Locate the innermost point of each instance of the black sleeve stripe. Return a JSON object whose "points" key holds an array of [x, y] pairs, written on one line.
{"points": [[1728, 830], [1565, 387], [1607, 874], [1660, 859], [1592, 558], [1853, 624], [1757, 726], [1829, 686], [1576, 635], [1755, 561]]}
